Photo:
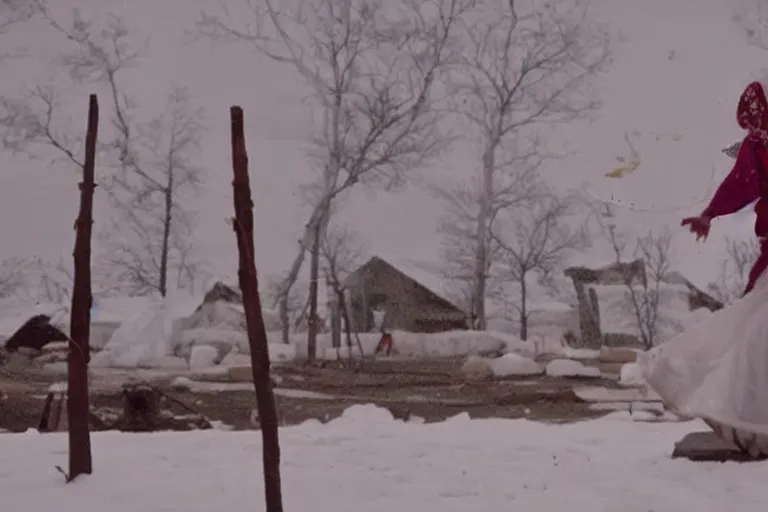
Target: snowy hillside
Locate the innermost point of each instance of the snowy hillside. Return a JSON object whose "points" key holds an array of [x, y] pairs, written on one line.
{"points": [[678, 68]]}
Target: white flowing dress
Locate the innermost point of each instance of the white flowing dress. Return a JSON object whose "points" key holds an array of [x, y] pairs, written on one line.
{"points": [[717, 370]]}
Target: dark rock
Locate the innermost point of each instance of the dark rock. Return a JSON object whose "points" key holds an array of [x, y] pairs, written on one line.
{"points": [[698, 299], [35, 334], [140, 408], [400, 412], [708, 447], [222, 292]]}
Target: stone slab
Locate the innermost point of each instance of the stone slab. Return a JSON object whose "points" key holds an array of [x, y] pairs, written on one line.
{"points": [[708, 447]]}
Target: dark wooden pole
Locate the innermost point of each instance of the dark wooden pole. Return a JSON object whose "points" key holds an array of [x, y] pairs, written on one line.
{"points": [[257, 335], [78, 411], [314, 275]]}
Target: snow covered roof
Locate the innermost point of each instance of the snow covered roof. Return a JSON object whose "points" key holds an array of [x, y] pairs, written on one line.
{"points": [[424, 273], [13, 314]]}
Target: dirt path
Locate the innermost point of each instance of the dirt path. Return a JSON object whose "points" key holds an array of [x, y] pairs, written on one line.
{"points": [[430, 390]]}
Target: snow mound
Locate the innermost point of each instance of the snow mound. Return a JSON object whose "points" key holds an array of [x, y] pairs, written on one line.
{"points": [[222, 325], [224, 339], [143, 338], [631, 375], [476, 368], [364, 415], [182, 383], [280, 352], [235, 358], [579, 353], [416, 344], [169, 363], [510, 365], [203, 356], [570, 368]]}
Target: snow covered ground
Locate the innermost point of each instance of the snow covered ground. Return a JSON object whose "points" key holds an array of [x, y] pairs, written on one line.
{"points": [[367, 461]]}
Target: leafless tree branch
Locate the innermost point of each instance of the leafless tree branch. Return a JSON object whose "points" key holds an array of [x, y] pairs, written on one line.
{"points": [[372, 67], [752, 17], [644, 297], [33, 121], [342, 253], [534, 243], [12, 272], [156, 170], [521, 69], [458, 227], [15, 11], [28, 123], [295, 303], [160, 174], [734, 274]]}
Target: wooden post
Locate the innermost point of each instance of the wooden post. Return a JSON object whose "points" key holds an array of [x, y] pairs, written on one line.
{"points": [[314, 272], [78, 410], [366, 327], [335, 313], [257, 336]]}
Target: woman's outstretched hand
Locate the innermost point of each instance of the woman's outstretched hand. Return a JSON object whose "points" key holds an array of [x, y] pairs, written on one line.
{"points": [[698, 225]]}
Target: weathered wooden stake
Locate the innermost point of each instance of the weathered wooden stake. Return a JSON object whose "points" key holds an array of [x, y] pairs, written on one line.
{"points": [[314, 275], [257, 336], [78, 410]]}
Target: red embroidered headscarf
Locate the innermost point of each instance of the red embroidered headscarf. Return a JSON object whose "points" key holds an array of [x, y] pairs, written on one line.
{"points": [[752, 112]]}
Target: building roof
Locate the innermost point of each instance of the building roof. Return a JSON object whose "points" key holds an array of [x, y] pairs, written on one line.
{"points": [[422, 273]]}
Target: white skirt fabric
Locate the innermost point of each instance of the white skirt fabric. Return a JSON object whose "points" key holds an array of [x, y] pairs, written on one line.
{"points": [[717, 370]]}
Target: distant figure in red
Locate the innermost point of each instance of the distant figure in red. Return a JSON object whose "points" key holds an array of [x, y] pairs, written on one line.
{"points": [[385, 344], [718, 369]]}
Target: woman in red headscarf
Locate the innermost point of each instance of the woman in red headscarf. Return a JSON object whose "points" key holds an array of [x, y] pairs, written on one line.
{"points": [[718, 370]]}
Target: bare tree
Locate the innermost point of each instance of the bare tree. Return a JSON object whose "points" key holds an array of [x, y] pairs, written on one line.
{"points": [[342, 253], [646, 300], [372, 67], [734, 274], [12, 272], [29, 123], [14, 11], [48, 281], [159, 174], [32, 120], [294, 307], [153, 172], [35, 279], [752, 17], [644, 293], [534, 243], [458, 227], [522, 67], [56, 283]]}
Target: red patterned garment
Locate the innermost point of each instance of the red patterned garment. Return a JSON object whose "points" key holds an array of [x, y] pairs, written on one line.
{"points": [[748, 181]]}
